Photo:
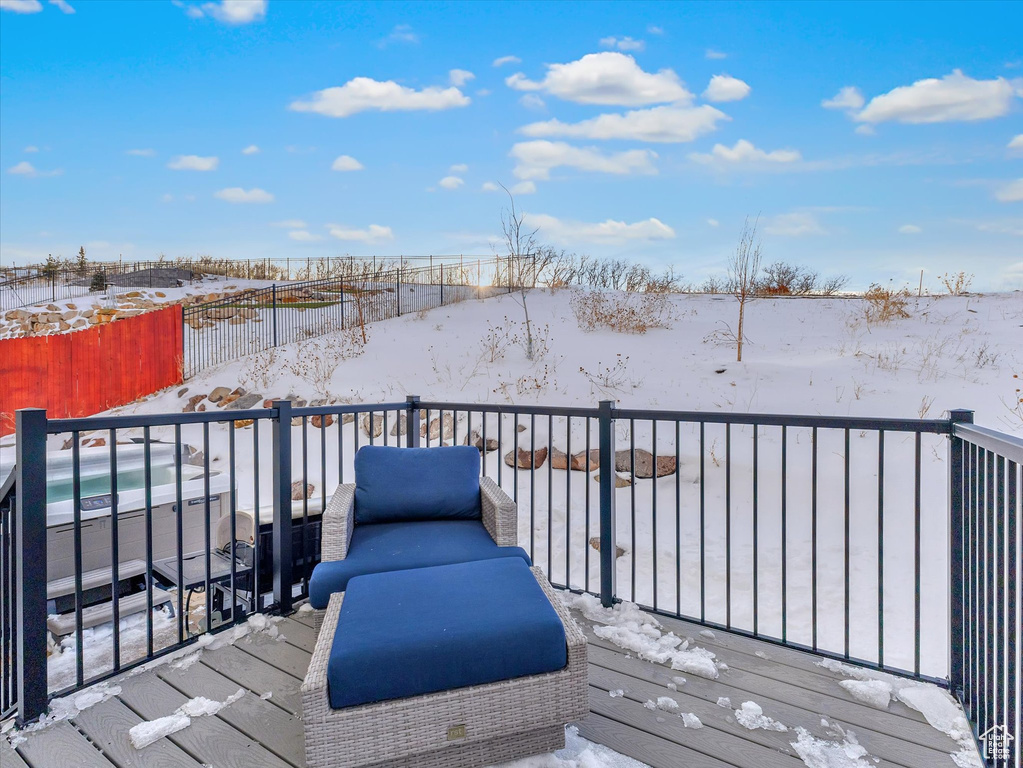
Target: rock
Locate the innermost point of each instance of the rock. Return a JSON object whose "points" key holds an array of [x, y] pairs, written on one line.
{"points": [[347, 418], [242, 402], [559, 459], [94, 442], [68, 315], [586, 461], [376, 424], [202, 407], [182, 391], [93, 319], [400, 426], [442, 427], [297, 489], [521, 428], [221, 313], [64, 326], [161, 295], [237, 321], [525, 459], [321, 422], [72, 306], [620, 482], [247, 313], [644, 463], [296, 421], [87, 313], [80, 323], [595, 543], [219, 394], [52, 308], [242, 423], [192, 402], [474, 439]]}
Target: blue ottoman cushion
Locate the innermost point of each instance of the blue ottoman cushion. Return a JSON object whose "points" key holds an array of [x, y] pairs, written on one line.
{"points": [[398, 546], [407, 633], [399, 484]]}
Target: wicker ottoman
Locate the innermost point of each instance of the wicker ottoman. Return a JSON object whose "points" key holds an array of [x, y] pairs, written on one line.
{"points": [[467, 727]]}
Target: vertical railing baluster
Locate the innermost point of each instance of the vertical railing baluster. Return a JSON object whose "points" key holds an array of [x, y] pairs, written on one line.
{"points": [[608, 521], [880, 548], [282, 561]]}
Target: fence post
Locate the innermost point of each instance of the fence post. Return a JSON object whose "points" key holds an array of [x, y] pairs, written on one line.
{"points": [[282, 505], [956, 509], [273, 304], [397, 290], [412, 422], [608, 521], [30, 561], [441, 281]]}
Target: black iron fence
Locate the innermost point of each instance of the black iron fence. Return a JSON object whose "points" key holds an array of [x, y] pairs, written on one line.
{"points": [[827, 534], [359, 293]]}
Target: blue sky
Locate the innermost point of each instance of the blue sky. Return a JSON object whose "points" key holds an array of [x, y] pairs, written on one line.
{"points": [[873, 140]]}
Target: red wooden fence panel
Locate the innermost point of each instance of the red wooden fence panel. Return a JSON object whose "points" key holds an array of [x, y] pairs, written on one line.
{"points": [[85, 372]]}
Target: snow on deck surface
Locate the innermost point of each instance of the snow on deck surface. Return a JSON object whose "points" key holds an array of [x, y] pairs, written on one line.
{"points": [[767, 707]]}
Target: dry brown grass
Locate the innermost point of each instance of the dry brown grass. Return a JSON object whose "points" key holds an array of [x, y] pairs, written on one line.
{"points": [[622, 312]]}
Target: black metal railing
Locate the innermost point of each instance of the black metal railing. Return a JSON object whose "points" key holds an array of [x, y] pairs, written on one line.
{"points": [[360, 293], [826, 534], [8, 599], [985, 586]]}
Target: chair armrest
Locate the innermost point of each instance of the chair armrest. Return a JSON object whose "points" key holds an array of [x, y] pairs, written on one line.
{"points": [[500, 514], [337, 524]]}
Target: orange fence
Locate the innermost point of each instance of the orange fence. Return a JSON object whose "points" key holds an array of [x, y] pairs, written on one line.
{"points": [[85, 372]]}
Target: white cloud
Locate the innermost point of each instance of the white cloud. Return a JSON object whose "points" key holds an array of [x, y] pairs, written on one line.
{"points": [[252, 149], [32, 148], [167, 198], [1003, 227], [745, 152], [371, 234], [866, 129], [451, 182], [459, 77], [141, 152], [794, 225], [713, 222], [1011, 192], [21, 6], [303, 236], [289, 224], [502, 60], [606, 78], [726, 88], [653, 29], [483, 92], [523, 188], [229, 11], [402, 33], [909, 229], [364, 93], [489, 186], [532, 101], [63, 5], [1015, 143], [714, 55], [239, 195], [25, 168], [346, 163], [606, 231], [953, 98], [657, 124], [622, 43], [536, 159], [193, 163], [458, 168], [848, 97]]}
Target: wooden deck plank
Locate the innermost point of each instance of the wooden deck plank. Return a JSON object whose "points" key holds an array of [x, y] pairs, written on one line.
{"points": [[61, 745], [8, 757], [303, 617], [260, 720], [840, 708], [257, 675], [107, 725], [645, 747], [731, 748], [210, 739], [298, 634], [281, 654]]}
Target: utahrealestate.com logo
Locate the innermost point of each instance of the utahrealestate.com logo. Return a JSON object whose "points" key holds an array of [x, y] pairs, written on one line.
{"points": [[997, 743]]}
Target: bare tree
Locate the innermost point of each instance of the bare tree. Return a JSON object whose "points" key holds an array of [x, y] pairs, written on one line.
{"points": [[522, 247], [743, 272]]}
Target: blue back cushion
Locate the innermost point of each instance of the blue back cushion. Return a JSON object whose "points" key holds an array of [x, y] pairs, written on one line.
{"points": [[406, 633], [394, 485]]}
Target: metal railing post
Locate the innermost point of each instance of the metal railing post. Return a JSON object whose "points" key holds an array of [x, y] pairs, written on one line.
{"points": [[282, 561], [397, 291], [412, 422], [608, 521], [273, 294], [30, 559], [956, 471], [441, 281]]}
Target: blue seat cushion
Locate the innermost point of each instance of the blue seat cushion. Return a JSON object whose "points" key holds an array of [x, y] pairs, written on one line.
{"points": [[398, 546], [397, 484], [407, 633]]}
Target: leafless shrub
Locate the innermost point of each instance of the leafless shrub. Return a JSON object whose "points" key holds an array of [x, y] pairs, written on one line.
{"points": [[782, 279], [956, 284], [743, 268], [316, 361], [885, 304], [1014, 404], [609, 378], [622, 312], [261, 369]]}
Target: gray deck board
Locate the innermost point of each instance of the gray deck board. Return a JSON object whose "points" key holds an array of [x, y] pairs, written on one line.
{"points": [[61, 745], [8, 757], [256, 731], [107, 725]]}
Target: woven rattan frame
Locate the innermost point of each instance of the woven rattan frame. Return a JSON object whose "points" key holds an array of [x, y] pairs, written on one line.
{"points": [[503, 720]]}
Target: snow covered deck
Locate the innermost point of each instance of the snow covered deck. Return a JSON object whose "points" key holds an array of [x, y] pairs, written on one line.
{"points": [[264, 727]]}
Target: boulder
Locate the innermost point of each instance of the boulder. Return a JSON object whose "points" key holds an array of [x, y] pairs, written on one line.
{"points": [[68, 315], [218, 394], [595, 543], [474, 439], [193, 401], [237, 321], [521, 428], [72, 306], [182, 391], [242, 402], [321, 422], [442, 427], [620, 482], [221, 313], [584, 461], [644, 463], [230, 398], [372, 424], [400, 426], [347, 418], [242, 423], [526, 459], [297, 489]]}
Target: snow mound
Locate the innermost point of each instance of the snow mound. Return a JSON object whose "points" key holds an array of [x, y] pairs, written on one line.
{"points": [[667, 704], [689, 720], [876, 693], [821, 753], [145, 733], [578, 753], [750, 715], [616, 693], [725, 702], [626, 626]]}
